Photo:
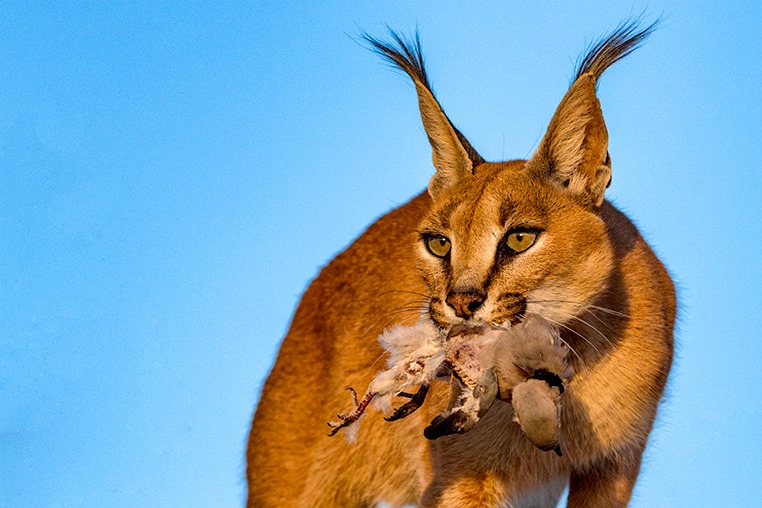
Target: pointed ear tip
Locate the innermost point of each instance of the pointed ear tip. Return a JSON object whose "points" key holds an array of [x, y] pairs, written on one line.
{"points": [[586, 80]]}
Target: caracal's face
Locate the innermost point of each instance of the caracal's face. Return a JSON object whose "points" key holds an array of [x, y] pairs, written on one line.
{"points": [[503, 244]]}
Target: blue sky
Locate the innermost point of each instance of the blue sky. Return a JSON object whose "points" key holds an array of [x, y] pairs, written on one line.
{"points": [[173, 175]]}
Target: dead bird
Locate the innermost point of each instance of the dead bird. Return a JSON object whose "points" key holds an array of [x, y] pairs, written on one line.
{"points": [[528, 359]]}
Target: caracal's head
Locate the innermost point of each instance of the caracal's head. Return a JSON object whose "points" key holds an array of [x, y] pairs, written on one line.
{"points": [[504, 244], [506, 240]]}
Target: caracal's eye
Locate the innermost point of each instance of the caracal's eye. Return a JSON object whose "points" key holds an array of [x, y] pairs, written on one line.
{"points": [[519, 241], [438, 245]]}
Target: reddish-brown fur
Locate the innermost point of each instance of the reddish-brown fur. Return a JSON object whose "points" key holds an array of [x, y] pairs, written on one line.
{"points": [[590, 272]]}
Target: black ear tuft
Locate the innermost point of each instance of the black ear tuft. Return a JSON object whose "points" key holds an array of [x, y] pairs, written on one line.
{"points": [[626, 38], [402, 53]]}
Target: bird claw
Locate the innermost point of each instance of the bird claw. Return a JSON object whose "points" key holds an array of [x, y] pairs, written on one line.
{"points": [[345, 420], [416, 400]]}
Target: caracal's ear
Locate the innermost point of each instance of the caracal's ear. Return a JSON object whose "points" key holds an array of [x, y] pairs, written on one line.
{"points": [[573, 154], [454, 157]]}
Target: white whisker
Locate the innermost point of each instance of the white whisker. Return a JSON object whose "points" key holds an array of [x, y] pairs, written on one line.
{"points": [[571, 348], [418, 306]]}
